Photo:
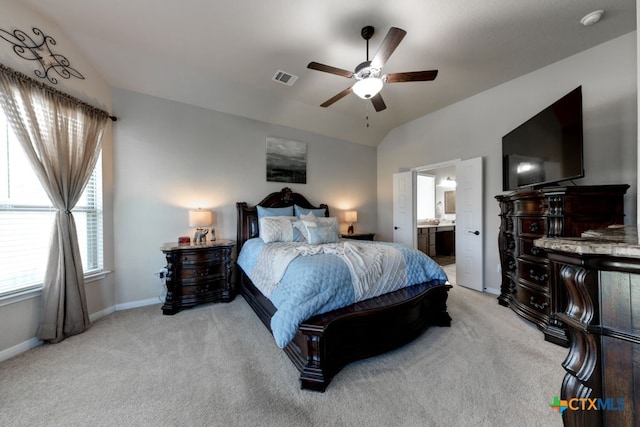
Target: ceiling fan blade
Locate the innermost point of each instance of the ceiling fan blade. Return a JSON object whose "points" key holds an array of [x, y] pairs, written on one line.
{"points": [[330, 69], [337, 97], [378, 102], [389, 44], [412, 76]]}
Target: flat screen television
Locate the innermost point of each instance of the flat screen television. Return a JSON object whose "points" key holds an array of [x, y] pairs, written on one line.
{"points": [[547, 148]]}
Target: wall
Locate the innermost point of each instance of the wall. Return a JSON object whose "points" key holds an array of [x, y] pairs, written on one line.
{"points": [[170, 157], [19, 317], [474, 127]]}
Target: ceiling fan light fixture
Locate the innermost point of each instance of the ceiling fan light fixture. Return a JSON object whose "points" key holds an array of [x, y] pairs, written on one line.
{"points": [[367, 88]]}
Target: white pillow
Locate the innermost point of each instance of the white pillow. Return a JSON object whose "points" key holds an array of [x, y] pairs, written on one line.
{"points": [[331, 221], [276, 229]]}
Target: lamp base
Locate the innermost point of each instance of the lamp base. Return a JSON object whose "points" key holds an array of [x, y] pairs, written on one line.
{"points": [[350, 229], [200, 236]]}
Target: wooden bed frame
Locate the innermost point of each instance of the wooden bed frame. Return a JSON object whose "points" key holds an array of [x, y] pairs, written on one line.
{"points": [[327, 342]]}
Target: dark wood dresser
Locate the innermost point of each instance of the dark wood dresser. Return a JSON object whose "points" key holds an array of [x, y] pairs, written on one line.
{"points": [[602, 313], [548, 212], [198, 273]]}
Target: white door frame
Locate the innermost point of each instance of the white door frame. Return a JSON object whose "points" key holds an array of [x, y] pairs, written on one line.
{"points": [[456, 162]]}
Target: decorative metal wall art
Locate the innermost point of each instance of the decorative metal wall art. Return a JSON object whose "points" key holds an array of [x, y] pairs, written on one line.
{"points": [[40, 51]]}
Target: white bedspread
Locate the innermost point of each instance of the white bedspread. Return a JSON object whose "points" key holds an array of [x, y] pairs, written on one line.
{"points": [[370, 265]]}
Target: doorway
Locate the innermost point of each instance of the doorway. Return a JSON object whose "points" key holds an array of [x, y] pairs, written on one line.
{"points": [[436, 212], [468, 201]]}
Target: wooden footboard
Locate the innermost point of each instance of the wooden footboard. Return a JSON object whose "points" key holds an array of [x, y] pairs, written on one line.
{"points": [[325, 343]]}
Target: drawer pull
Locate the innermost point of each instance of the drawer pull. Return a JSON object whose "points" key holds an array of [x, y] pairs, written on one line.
{"points": [[538, 306], [535, 250], [534, 276], [534, 227]]}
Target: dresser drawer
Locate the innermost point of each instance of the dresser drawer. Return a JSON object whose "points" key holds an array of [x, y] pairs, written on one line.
{"points": [[533, 226], [533, 272], [527, 248], [532, 299]]}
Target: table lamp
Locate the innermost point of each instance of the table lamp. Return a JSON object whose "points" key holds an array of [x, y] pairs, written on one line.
{"points": [[200, 218], [350, 217]]}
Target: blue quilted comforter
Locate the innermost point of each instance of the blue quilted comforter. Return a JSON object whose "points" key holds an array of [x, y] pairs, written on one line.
{"points": [[323, 282]]}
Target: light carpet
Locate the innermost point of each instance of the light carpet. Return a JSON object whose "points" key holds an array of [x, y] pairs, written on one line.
{"points": [[217, 365]]}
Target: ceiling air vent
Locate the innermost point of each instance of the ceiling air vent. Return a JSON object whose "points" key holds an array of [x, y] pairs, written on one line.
{"points": [[285, 78]]}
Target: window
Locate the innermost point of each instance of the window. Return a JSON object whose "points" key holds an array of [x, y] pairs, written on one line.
{"points": [[26, 219]]}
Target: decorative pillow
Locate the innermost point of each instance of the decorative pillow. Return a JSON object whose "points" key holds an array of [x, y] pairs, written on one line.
{"points": [[299, 211], [321, 234], [276, 229], [280, 229], [266, 212], [331, 221]]}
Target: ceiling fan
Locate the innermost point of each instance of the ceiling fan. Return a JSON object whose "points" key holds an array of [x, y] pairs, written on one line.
{"points": [[368, 74]]}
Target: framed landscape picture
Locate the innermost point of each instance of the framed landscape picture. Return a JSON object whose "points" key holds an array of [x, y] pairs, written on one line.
{"points": [[286, 160]]}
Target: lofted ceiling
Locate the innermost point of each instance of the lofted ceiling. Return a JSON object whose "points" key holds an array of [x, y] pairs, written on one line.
{"points": [[223, 55]]}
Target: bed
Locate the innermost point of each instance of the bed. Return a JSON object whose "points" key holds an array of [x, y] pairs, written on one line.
{"points": [[324, 343]]}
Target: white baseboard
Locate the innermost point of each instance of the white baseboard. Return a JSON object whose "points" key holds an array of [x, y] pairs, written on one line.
{"points": [[136, 304], [20, 348], [493, 291], [99, 314]]}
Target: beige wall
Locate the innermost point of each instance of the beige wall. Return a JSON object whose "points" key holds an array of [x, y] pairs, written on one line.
{"points": [[170, 157]]}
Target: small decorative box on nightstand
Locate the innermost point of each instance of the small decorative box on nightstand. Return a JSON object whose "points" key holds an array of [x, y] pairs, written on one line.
{"points": [[197, 273], [359, 236]]}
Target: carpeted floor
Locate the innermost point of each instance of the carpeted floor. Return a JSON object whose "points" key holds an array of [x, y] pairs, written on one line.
{"points": [[217, 365]]}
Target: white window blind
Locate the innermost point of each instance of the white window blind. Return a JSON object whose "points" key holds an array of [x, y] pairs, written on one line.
{"points": [[26, 219]]}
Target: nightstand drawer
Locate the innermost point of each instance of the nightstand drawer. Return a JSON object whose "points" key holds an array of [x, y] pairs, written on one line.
{"points": [[192, 257], [199, 272]]}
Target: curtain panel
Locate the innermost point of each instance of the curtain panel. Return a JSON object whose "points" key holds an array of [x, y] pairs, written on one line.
{"points": [[62, 138]]}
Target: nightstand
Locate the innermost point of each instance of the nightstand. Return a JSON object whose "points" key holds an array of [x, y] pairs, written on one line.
{"points": [[197, 273], [359, 236]]}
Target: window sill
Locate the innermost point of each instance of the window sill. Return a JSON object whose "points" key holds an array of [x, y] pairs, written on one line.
{"points": [[36, 291]]}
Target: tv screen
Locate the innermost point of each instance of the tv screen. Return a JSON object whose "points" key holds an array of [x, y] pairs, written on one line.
{"points": [[547, 148]]}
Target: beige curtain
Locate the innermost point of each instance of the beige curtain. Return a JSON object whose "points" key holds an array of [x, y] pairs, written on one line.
{"points": [[62, 138]]}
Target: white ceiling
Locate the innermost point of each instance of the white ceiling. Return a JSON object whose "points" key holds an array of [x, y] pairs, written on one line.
{"points": [[222, 55]]}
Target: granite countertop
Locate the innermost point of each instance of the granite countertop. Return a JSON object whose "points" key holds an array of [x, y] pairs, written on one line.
{"points": [[210, 244], [442, 224], [616, 240]]}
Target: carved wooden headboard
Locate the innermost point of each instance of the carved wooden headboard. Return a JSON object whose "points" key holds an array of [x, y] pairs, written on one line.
{"points": [[248, 215]]}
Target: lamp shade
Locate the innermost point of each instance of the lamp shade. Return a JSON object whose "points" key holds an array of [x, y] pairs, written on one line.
{"points": [[367, 88], [200, 217], [351, 216]]}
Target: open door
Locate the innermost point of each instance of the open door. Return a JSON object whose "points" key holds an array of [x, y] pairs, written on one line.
{"points": [[404, 210], [469, 233]]}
